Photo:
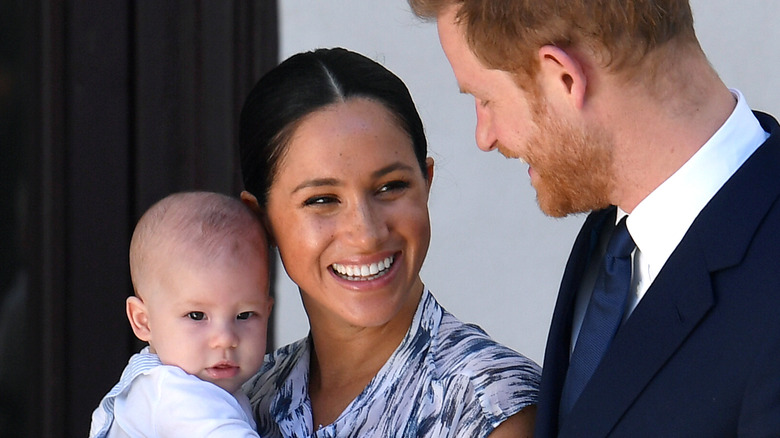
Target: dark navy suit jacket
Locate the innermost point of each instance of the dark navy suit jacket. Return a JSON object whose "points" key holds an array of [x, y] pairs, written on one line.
{"points": [[700, 354]]}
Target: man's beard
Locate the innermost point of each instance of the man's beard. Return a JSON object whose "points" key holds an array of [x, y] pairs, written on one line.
{"points": [[574, 165]]}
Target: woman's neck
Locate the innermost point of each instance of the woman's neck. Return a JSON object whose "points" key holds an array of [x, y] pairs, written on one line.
{"points": [[337, 377], [344, 359]]}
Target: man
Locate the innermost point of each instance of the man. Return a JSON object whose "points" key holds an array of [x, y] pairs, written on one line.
{"points": [[617, 111]]}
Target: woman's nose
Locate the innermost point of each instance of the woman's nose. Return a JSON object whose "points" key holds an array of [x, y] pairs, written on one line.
{"points": [[367, 225], [485, 135]]}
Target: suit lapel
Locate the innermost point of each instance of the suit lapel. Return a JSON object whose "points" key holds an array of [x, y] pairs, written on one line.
{"points": [[556, 357], [682, 293], [673, 306]]}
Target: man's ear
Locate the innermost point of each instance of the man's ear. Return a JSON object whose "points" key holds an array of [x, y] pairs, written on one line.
{"points": [[562, 76], [139, 318], [250, 201], [429, 167]]}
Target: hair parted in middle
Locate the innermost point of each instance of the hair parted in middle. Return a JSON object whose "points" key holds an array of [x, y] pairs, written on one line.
{"points": [[307, 82]]}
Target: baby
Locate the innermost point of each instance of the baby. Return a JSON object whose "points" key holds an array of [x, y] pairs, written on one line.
{"points": [[199, 266]]}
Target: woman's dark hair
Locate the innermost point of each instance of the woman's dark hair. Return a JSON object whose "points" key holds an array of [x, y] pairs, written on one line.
{"points": [[303, 84]]}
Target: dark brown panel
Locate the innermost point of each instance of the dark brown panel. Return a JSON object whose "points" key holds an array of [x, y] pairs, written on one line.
{"points": [[97, 134], [127, 102]]}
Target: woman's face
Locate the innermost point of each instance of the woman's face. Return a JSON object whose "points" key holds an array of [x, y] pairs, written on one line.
{"points": [[348, 211]]}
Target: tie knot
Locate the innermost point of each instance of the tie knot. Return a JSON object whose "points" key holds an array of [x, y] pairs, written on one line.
{"points": [[620, 243]]}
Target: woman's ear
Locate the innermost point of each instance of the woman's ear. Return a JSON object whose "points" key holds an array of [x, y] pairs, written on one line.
{"points": [[562, 76], [250, 201], [139, 318]]}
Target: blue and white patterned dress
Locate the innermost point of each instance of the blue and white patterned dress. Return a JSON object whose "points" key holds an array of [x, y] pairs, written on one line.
{"points": [[446, 379]]}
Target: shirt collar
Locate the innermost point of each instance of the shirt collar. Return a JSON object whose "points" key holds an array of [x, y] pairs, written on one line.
{"points": [[660, 221]]}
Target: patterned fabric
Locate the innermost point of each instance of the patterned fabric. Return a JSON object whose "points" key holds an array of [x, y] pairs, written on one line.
{"points": [[156, 400], [446, 379]]}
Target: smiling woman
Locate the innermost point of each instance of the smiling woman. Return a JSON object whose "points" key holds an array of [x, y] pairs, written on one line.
{"points": [[349, 194], [335, 162]]}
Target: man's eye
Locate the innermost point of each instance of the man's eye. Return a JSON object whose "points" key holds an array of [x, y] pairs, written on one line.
{"points": [[245, 315], [196, 316]]}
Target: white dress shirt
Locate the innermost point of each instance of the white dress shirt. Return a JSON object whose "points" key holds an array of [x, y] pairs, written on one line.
{"points": [[660, 221]]}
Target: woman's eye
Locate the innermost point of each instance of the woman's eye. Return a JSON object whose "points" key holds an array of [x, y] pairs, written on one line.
{"points": [[319, 200], [245, 315], [196, 316], [393, 186]]}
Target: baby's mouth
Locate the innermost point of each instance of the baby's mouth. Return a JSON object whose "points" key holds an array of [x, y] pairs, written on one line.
{"points": [[363, 272], [223, 370]]}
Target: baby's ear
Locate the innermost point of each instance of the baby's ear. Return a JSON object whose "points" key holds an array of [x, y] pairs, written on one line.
{"points": [[250, 201], [139, 318]]}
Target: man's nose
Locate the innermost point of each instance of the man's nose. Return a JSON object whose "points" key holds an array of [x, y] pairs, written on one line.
{"points": [[484, 134]]}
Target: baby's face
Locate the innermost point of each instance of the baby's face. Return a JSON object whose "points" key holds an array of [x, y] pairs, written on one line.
{"points": [[211, 320]]}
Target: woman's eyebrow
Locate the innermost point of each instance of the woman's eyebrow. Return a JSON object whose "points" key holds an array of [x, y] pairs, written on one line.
{"points": [[316, 182], [331, 182], [391, 168]]}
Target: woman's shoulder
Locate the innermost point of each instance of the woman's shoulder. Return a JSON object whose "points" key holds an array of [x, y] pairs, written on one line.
{"points": [[492, 380], [288, 354], [277, 367], [467, 350]]}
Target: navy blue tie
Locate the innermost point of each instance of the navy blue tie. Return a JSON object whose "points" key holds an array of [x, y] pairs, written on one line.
{"points": [[602, 317]]}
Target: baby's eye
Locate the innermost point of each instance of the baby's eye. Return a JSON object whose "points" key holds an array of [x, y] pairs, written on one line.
{"points": [[245, 315], [196, 316]]}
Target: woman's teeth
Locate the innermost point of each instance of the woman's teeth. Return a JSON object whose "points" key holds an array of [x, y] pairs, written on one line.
{"points": [[363, 272]]}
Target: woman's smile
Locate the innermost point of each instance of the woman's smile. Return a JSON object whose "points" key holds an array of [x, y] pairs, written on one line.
{"points": [[363, 272], [348, 211]]}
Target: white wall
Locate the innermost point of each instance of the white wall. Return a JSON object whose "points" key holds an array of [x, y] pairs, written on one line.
{"points": [[494, 259]]}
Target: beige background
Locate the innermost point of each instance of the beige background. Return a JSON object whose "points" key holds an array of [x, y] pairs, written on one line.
{"points": [[495, 260]]}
